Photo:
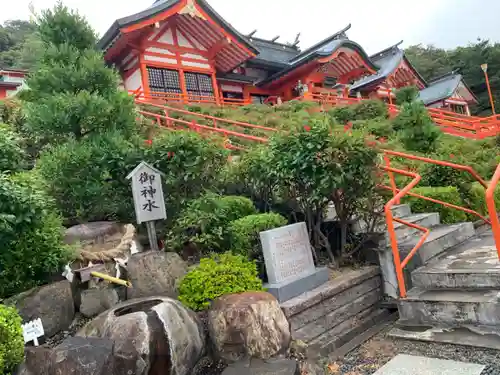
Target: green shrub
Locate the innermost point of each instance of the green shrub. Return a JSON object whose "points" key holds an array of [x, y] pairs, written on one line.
{"points": [[342, 114], [215, 276], [87, 179], [379, 127], [245, 232], [418, 131], [476, 199], [407, 94], [446, 194], [245, 237], [31, 235], [370, 109], [11, 153], [205, 222], [11, 340]]}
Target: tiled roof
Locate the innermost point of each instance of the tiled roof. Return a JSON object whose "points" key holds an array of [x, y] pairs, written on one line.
{"points": [[441, 88], [158, 7], [273, 52]]}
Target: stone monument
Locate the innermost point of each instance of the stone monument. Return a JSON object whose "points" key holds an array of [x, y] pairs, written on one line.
{"points": [[289, 262]]}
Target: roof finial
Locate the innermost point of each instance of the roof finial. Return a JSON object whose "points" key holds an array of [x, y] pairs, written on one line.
{"points": [[275, 38], [252, 33], [297, 40]]}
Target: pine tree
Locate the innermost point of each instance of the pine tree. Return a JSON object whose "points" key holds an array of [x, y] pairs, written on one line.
{"points": [[72, 93]]}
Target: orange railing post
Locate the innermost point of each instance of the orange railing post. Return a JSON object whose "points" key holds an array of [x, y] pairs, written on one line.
{"points": [[392, 180], [490, 202]]}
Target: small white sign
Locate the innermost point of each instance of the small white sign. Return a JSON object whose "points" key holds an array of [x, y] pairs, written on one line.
{"points": [[32, 331], [148, 193]]}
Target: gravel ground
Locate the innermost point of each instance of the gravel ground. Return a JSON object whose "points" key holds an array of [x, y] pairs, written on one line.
{"points": [[375, 353]]}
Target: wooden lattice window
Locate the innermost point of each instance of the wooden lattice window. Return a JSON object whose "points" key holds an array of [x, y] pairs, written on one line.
{"points": [[198, 84], [164, 81]]}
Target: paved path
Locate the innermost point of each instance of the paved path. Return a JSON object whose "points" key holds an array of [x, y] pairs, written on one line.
{"points": [[404, 364]]}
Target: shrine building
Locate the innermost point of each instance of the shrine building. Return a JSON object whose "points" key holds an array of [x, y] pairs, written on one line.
{"points": [[11, 81], [184, 51]]}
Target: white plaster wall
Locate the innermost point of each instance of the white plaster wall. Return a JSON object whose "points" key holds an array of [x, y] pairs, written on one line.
{"points": [[134, 81], [195, 64], [194, 56], [160, 59], [167, 37], [160, 50]]}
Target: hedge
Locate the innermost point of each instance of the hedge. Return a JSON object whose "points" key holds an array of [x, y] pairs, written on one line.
{"points": [[448, 194]]}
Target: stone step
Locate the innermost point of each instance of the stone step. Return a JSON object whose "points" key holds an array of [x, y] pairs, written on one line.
{"points": [[426, 220], [401, 210], [468, 335], [473, 265], [450, 307], [346, 331], [441, 238]]}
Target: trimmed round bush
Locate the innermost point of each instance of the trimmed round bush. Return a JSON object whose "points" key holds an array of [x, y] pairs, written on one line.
{"points": [[11, 153], [245, 232], [215, 276], [11, 340], [205, 222]]}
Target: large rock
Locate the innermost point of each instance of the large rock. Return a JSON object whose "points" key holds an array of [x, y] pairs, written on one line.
{"points": [[152, 336], [84, 356], [91, 231], [52, 303], [75, 356], [248, 324], [96, 301], [155, 273]]}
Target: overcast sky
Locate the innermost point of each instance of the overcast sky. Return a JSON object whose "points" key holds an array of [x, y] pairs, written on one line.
{"points": [[376, 24]]}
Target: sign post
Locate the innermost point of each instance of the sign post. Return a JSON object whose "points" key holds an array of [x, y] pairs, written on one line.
{"points": [[484, 67], [148, 197]]}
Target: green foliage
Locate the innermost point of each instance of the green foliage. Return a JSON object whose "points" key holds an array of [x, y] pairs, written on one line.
{"points": [[245, 232], [205, 222], [245, 237], [191, 164], [72, 93], [446, 194], [11, 340], [407, 94], [88, 178], [216, 276], [476, 199], [28, 260], [314, 167], [11, 153], [60, 26], [418, 132], [15, 35], [370, 109], [342, 114], [379, 127]]}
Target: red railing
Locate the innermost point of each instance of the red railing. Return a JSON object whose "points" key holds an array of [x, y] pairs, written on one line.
{"points": [[171, 123], [216, 121], [400, 193], [163, 97]]}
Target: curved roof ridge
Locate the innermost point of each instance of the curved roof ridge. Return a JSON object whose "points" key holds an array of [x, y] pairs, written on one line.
{"points": [[388, 49]]}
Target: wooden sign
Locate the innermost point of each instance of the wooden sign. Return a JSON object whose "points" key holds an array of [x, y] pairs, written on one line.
{"points": [[148, 193], [32, 331]]}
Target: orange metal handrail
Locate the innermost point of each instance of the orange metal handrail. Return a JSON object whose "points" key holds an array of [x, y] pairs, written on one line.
{"points": [[400, 193], [490, 202]]}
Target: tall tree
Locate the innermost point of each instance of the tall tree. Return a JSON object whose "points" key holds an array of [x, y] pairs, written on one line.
{"points": [[72, 94], [13, 36]]}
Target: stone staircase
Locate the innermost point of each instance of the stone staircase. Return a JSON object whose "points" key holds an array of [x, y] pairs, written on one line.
{"points": [[453, 283]]}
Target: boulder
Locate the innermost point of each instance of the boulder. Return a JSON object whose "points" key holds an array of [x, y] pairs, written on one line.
{"points": [[249, 324], [155, 273], [91, 231], [84, 356], [37, 361], [96, 301], [152, 336], [52, 303]]}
